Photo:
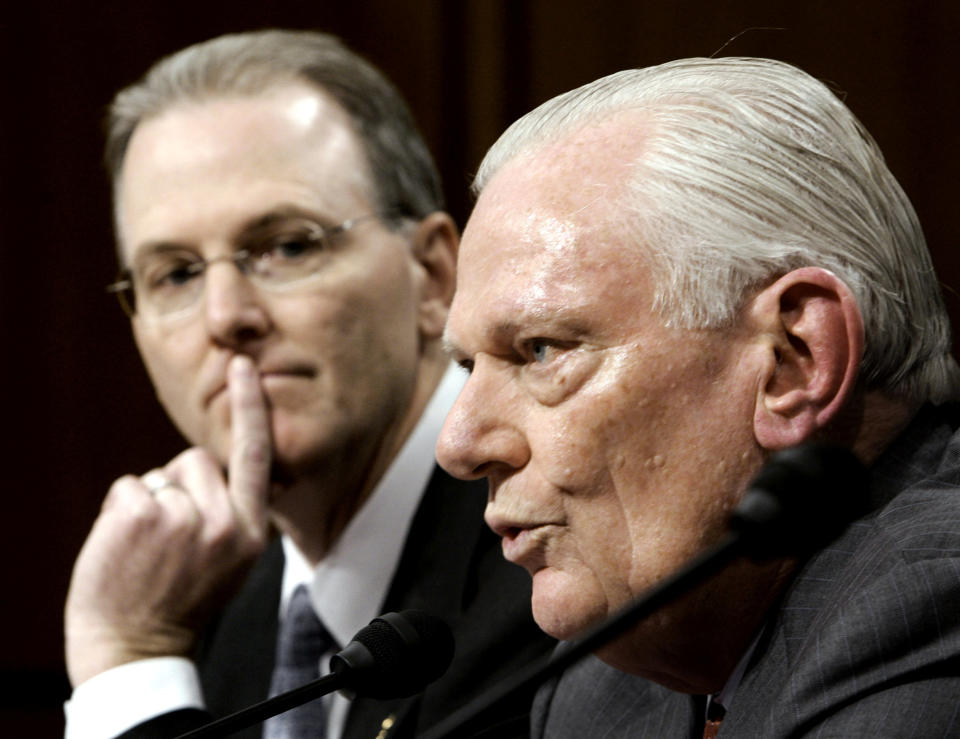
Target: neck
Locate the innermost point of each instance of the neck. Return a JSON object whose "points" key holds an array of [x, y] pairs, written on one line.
{"points": [[732, 607], [735, 602], [871, 423], [315, 508]]}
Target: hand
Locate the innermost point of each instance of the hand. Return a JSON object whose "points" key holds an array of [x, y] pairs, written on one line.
{"points": [[162, 557]]}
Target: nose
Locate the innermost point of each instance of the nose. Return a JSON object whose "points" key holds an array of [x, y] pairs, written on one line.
{"points": [[483, 434], [233, 307]]}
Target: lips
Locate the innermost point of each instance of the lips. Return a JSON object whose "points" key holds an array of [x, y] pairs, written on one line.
{"points": [[267, 371], [285, 374], [527, 546], [294, 370], [526, 529]]}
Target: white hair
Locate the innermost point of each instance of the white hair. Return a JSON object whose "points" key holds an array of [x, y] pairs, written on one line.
{"points": [[751, 168]]}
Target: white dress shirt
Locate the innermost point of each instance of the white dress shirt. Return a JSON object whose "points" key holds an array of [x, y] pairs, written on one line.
{"points": [[347, 589]]}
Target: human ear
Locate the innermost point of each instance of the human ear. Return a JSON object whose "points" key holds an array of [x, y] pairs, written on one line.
{"points": [[435, 244], [813, 333]]}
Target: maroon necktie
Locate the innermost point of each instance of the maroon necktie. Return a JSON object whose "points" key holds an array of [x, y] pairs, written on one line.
{"points": [[715, 713]]}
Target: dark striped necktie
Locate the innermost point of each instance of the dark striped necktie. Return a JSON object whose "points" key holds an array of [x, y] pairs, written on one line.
{"points": [[303, 641]]}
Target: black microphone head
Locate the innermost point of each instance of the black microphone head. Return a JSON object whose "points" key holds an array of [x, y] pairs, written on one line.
{"points": [[396, 655], [803, 498]]}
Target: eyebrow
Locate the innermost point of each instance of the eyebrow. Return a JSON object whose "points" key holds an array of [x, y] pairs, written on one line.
{"points": [[450, 347], [501, 332], [277, 214], [154, 248], [504, 331], [283, 213]]}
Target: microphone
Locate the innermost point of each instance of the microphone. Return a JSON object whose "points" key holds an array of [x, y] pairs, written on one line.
{"points": [[801, 499], [397, 655], [394, 656]]}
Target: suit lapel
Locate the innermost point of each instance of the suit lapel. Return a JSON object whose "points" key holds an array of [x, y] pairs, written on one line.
{"points": [[431, 576], [593, 699], [236, 658]]}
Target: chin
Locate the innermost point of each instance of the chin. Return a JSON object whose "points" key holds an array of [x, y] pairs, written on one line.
{"points": [[564, 608], [297, 446], [288, 465]]}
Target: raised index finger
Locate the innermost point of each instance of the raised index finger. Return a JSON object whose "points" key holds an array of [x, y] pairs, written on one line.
{"points": [[249, 465]]}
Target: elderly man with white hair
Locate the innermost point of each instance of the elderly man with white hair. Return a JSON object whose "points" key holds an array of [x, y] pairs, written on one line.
{"points": [[670, 274]]}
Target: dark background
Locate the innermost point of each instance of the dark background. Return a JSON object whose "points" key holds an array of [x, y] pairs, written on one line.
{"points": [[80, 411]]}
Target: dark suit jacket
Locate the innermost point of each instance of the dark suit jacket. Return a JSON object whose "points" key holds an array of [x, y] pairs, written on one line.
{"points": [[452, 567], [866, 640]]}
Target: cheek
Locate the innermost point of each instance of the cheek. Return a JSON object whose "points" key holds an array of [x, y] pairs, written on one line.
{"points": [[172, 364], [615, 423], [602, 540], [366, 358], [570, 445], [377, 311], [585, 579], [679, 476], [360, 342]]}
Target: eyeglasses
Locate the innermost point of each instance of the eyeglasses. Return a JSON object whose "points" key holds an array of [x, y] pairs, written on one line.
{"points": [[169, 282]]}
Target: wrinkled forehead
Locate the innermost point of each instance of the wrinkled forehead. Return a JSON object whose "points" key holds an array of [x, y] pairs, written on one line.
{"points": [[563, 200], [548, 230]]}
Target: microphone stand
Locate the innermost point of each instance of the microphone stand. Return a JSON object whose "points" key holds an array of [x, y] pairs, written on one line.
{"points": [[267, 708]]}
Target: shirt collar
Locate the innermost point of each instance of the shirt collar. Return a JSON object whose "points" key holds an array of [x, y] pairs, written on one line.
{"points": [[349, 585], [725, 696]]}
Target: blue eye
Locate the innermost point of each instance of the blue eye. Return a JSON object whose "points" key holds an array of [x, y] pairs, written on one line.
{"points": [[539, 349]]}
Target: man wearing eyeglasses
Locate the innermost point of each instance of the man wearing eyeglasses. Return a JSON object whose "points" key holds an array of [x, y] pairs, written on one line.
{"points": [[287, 269]]}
